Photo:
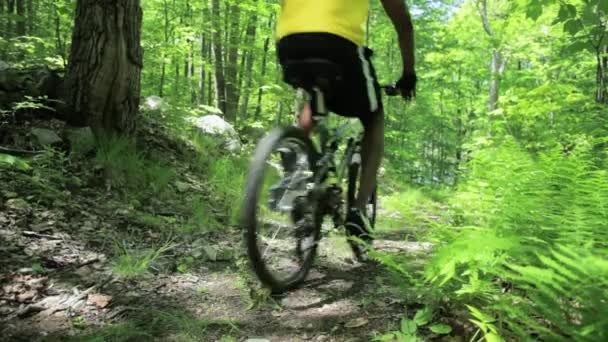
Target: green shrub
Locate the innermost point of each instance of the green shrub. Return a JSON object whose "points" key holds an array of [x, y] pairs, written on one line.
{"points": [[131, 262], [530, 246]]}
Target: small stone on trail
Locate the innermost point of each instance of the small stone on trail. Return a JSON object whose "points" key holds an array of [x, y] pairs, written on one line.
{"points": [[18, 204], [27, 295], [356, 323], [181, 186], [100, 301]]}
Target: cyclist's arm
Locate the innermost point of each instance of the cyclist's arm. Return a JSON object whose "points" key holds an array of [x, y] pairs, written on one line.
{"points": [[399, 14]]}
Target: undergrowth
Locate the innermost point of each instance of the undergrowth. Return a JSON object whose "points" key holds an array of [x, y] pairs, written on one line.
{"points": [[125, 166], [529, 251], [173, 325]]}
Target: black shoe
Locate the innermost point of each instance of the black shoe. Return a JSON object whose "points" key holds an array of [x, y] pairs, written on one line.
{"points": [[358, 227]]}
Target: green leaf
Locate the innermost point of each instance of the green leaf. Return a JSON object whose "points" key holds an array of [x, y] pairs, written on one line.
{"points": [[423, 316], [406, 337], [579, 46], [572, 27], [562, 15], [441, 329], [492, 337], [571, 10], [14, 161], [385, 337], [534, 10], [602, 6], [480, 315], [408, 326]]}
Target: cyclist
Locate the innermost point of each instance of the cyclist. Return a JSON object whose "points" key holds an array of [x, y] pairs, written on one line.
{"points": [[334, 30]]}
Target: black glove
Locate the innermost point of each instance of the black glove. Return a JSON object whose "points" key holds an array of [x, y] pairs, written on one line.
{"points": [[407, 85]]}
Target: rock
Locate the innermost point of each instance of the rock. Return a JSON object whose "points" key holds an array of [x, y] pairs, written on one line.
{"points": [[214, 125], [82, 140], [99, 300], [46, 137], [35, 81], [181, 186], [18, 204], [155, 103], [356, 323], [26, 296]]}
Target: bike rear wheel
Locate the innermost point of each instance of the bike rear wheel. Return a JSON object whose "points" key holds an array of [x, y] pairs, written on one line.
{"points": [[279, 213]]}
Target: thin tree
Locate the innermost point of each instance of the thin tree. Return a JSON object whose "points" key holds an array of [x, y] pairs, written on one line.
{"points": [[218, 58]]}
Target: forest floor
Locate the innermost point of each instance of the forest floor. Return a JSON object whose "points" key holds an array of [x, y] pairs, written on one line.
{"points": [[79, 261]]}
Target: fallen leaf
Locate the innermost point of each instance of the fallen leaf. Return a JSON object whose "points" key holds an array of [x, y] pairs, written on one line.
{"points": [[356, 323], [100, 301]]}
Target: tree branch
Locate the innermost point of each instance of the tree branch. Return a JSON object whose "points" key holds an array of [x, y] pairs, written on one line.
{"points": [[483, 11]]}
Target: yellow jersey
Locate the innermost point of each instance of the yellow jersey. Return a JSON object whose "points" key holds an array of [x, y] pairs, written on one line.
{"points": [[345, 18]]}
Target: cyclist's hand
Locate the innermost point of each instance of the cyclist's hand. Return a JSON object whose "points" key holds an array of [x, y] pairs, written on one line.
{"points": [[407, 85]]}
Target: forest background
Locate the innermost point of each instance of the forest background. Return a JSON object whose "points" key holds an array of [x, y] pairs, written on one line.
{"points": [[504, 148]]}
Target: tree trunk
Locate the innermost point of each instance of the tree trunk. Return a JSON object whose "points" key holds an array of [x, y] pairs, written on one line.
{"points": [[258, 108], [601, 95], [232, 96], [210, 79], [10, 10], [499, 59], [220, 82], [2, 33], [496, 73], [59, 42], [103, 76], [31, 15], [249, 58], [20, 32], [201, 72], [163, 67]]}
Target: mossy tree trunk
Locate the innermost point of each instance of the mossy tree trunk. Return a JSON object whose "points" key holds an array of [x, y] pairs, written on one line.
{"points": [[104, 69]]}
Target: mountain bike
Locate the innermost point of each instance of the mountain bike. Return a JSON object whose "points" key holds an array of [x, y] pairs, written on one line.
{"points": [[296, 180]]}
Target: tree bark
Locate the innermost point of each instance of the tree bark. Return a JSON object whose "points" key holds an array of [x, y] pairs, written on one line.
{"points": [[499, 59], [232, 96], [2, 33], [20, 31], [59, 42], [220, 82], [104, 71], [163, 67], [601, 95], [10, 10], [258, 108], [201, 72], [31, 17], [250, 43]]}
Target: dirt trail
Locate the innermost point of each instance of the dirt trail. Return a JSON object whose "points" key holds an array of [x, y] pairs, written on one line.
{"points": [[76, 293]]}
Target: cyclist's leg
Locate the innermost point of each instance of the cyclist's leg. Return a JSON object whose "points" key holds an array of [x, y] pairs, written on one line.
{"points": [[372, 151]]}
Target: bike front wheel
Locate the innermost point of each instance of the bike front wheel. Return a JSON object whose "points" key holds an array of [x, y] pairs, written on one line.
{"points": [[279, 214]]}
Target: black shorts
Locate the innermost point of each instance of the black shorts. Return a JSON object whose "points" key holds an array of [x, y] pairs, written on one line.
{"points": [[359, 95]]}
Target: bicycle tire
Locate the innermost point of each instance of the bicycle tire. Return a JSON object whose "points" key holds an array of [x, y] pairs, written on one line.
{"points": [[249, 212], [354, 171]]}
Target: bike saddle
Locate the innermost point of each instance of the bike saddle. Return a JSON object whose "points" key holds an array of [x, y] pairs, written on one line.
{"points": [[313, 73]]}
